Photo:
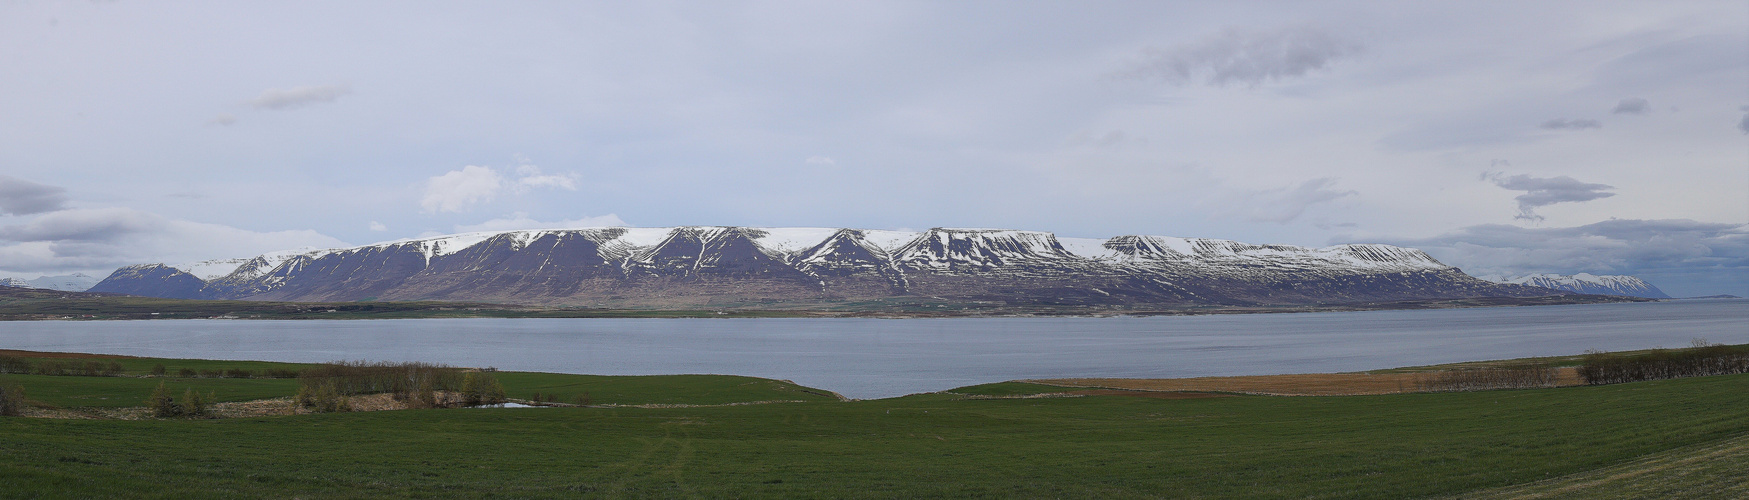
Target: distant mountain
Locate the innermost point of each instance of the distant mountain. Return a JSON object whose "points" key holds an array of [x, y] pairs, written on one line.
{"points": [[15, 283], [1592, 284], [77, 282], [728, 267]]}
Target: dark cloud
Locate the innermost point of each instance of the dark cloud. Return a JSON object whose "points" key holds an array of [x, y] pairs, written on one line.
{"points": [[1744, 124], [295, 97], [1250, 58], [1543, 191], [22, 197], [1565, 124], [103, 224], [1632, 106], [1684, 257]]}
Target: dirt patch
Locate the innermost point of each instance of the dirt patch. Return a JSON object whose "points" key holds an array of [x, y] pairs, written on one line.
{"points": [[1307, 384], [73, 355]]}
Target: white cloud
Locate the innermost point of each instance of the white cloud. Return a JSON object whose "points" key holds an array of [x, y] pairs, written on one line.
{"points": [[297, 97], [520, 220], [1282, 205], [378, 226], [459, 190], [223, 119], [820, 160], [530, 176]]}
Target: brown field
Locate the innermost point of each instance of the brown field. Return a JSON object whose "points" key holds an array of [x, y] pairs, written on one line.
{"points": [[63, 355], [1307, 384]]}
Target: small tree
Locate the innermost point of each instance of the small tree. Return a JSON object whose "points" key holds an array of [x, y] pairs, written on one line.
{"points": [[481, 388], [194, 404], [162, 405], [158, 370]]}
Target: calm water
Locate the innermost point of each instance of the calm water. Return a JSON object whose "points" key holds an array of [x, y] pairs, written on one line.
{"points": [[872, 358]]}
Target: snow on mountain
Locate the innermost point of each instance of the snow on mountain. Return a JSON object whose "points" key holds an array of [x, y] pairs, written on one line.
{"points": [[1589, 283], [76, 282], [15, 283]]}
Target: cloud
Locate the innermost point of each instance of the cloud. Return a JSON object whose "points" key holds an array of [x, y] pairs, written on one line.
{"points": [[531, 177], [106, 238], [22, 197], [1632, 106], [1544, 191], [223, 119], [297, 97], [1565, 124], [1284, 205], [820, 160], [378, 226], [520, 220], [1685, 257], [1237, 56], [1744, 124], [459, 190]]}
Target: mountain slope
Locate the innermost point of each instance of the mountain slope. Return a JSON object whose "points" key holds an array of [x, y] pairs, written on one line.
{"points": [[1592, 284], [706, 266]]}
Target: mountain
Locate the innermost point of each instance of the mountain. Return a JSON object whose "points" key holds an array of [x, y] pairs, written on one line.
{"points": [[1592, 284], [15, 283], [727, 267], [76, 282]]}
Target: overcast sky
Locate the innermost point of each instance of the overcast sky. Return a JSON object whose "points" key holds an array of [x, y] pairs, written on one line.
{"points": [[1504, 138]]}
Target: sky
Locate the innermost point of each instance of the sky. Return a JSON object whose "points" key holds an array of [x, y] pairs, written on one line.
{"points": [[1504, 138]]}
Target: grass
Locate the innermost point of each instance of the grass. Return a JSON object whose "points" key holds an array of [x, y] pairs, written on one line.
{"points": [[929, 445]]}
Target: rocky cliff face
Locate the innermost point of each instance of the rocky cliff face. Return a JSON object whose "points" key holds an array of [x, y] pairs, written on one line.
{"points": [[821, 267]]}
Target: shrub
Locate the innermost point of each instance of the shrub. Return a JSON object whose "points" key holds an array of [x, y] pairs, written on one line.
{"points": [[161, 404], [185, 373], [281, 373], [401, 379], [194, 404], [10, 364], [158, 370], [1482, 379], [322, 397], [481, 388], [1702, 359], [238, 373], [11, 398]]}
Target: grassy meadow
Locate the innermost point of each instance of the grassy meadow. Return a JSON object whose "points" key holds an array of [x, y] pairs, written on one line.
{"points": [[719, 436]]}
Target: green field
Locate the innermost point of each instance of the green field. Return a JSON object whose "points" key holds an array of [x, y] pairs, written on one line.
{"points": [[995, 444]]}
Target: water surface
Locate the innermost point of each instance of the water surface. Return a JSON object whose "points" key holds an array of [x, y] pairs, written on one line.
{"points": [[872, 358]]}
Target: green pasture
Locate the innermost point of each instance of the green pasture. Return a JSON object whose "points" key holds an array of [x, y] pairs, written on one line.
{"points": [[929, 445]]}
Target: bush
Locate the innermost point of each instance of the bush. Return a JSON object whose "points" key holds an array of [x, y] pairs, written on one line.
{"points": [[401, 379], [194, 404], [10, 364], [1482, 379], [322, 397], [481, 388], [1701, 360], [158, 370], [185, 373], [238, 373], [11, 398], [161, 404]]}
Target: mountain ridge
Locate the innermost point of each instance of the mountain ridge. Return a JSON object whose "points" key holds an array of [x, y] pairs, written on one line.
{"points": [[729, 266]]}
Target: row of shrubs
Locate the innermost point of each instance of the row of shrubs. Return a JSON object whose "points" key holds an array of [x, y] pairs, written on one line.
{"points": [[1527, 376], [13, 364], [10, 364], [328, 387], [191, 404], [1701, 360]]}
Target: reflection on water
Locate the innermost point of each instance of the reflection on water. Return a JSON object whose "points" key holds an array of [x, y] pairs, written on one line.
{"points": [[871, 358]]}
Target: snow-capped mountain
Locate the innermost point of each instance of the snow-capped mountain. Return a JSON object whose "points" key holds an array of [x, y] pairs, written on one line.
{"points": [[15, 283], [713, 266], [1590, 283]]}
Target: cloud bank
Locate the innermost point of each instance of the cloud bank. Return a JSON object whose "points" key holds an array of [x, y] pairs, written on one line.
{"points": [[22, 197], [1236, 56], [101, 239]]}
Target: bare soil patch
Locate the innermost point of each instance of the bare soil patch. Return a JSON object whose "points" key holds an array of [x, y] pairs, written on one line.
{"points": [[1306, 384]]}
